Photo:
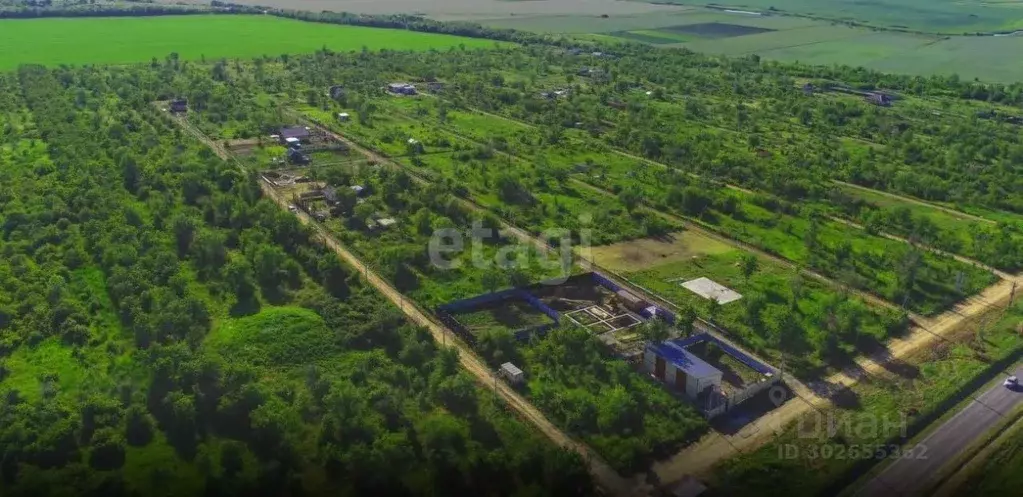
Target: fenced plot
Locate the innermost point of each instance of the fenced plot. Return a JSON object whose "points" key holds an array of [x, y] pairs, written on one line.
{"points": [[512, 315]]}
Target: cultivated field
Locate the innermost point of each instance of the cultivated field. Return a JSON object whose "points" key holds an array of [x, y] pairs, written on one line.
{"points": [[140, 39], [940, 16], [794, 39]]}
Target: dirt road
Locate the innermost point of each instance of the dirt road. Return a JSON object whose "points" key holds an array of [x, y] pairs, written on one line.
{"points": [[606, 477], [911, 200], [694, 225], [960, 258], [700, 458], [604, 474]]}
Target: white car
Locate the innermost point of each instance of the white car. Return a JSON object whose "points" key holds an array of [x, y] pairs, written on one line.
{"points": [[1011, 382]]}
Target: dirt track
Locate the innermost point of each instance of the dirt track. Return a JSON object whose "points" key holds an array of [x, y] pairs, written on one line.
{"points": [[911, 200], [957, 257], [714, 448], [606, 477], [700, 458]]}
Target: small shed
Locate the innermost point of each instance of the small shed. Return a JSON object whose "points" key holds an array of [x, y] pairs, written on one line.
{"points": [[512, 373], [297, 157], [632, 301], [343, 117], [358, 189], [179, 105], [386, 222], [680, 368]]}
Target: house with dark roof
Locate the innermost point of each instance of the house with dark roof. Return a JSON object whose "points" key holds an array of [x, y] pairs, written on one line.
{"points": [[401, 89], [300, 133]]}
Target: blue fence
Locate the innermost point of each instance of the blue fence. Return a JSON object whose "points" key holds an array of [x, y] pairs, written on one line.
{"points": [[445, 313], [542, 307], [480, 300], [728, 349], [606, 283]]}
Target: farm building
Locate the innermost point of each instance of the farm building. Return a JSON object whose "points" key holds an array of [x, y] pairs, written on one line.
{"points": [[681, 369], [179, 105], [300, 133], [401, 89], [711, 372], [512, 373]]}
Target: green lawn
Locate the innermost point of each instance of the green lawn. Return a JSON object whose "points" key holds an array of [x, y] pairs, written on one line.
{"points": [[139, 39]]}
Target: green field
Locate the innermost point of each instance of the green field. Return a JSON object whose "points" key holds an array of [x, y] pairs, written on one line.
{"points": [[139, 39], [937, 16], [801, 39]]}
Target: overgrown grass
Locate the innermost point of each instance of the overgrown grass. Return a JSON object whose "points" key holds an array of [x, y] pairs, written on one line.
{"points": [[275, 337], [910, 390]]}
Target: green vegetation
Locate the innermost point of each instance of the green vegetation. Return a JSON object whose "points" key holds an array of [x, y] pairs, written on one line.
{"points": [[999, 474], [124, 40], [165, 326], [166, 331], [275, 337], [943, 16], [921, 387], [791, 320], [512, 316]]}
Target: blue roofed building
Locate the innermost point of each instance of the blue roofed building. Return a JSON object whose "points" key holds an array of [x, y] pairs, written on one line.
{"points": [[679, 368]]}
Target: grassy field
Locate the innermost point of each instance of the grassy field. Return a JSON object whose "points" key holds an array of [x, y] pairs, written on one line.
{"points": [[511, 315], [129, 40], [637, 255], [910, 390], [1000, 474], [939, 16], [801, 39]]}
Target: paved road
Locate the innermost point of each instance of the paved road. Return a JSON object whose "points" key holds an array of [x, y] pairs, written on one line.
{"points": [[913, 476]]}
